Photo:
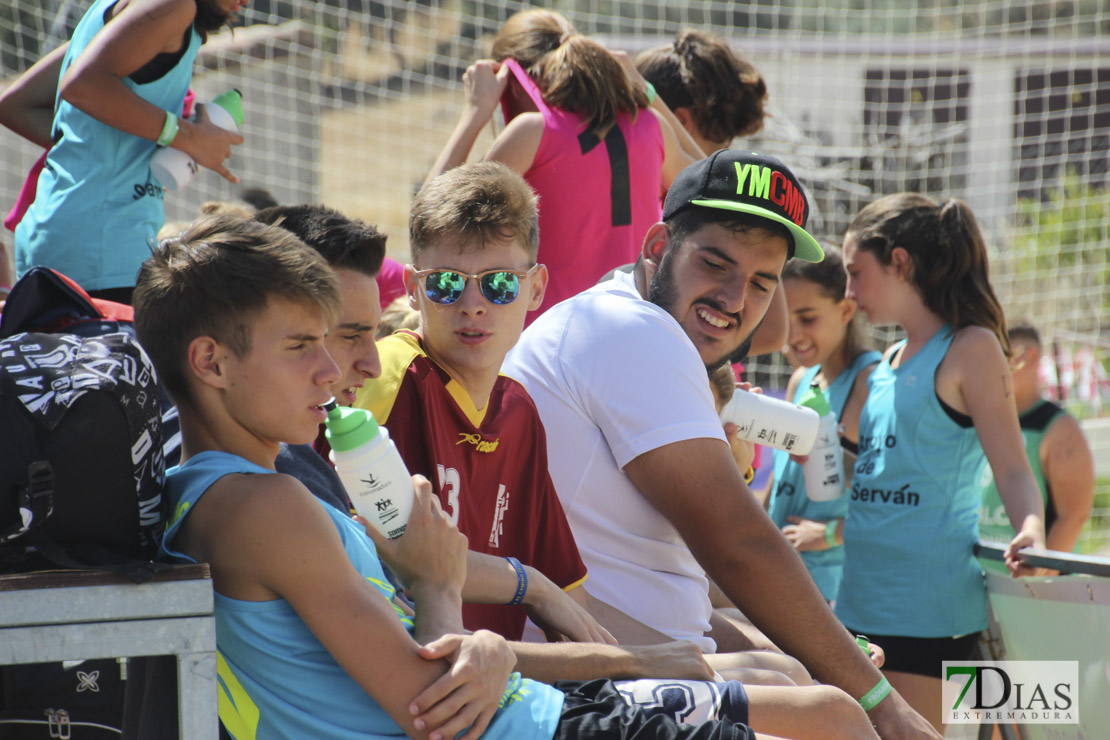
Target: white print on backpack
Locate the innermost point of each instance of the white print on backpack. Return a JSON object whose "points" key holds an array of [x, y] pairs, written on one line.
{"points": [[150, 511], [49, 377]]}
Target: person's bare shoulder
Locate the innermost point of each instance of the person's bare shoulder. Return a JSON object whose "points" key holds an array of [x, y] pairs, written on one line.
{"points": [[975, 367], [1066, 451], [517, 145], [975, 341], [248, 526]]}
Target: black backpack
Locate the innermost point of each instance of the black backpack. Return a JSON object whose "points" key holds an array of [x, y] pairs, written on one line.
{"points": [[82, 472]]}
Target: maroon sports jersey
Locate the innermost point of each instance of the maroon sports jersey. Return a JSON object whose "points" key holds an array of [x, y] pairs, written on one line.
{"points": [[489, 468]]}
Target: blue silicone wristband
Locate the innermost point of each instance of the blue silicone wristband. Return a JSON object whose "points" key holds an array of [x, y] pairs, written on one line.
{"points": [[521, 582]]}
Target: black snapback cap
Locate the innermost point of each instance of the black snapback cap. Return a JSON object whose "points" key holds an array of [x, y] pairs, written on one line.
{"points": [[735, 180]]}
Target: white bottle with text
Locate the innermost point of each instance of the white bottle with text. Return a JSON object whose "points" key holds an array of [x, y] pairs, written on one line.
{"points": [[370, 468], [769, 421], [824, 468]]}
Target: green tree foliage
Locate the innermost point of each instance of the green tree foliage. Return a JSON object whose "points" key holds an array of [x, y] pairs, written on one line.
{"points": [[1065, 242]]}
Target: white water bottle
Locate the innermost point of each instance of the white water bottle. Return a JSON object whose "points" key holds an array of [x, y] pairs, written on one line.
{"points": [[174, 168], [370, 468], [824, 468], [769, 421]]}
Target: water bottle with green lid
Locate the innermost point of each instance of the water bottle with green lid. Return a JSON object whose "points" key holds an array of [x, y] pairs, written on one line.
{"points": [[824, 468], [174, 168], [370, 468]]}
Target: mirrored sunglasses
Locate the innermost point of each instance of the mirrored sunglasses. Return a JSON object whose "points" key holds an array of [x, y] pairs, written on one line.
{"points": [[499, 287]]}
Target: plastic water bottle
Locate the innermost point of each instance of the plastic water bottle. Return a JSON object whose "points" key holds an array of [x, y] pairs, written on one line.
{"points": [[174, 168], [824, 469], [370, 468], [772, 422]]}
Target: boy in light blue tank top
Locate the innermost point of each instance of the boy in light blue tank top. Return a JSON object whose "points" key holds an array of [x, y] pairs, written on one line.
{"points": [[939, 399], [234, 314]]}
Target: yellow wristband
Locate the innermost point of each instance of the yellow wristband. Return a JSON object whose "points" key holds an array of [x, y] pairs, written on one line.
{"points": [[749, 475]]}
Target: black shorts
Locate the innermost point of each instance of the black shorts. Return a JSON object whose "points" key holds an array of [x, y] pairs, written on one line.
{"points": [[638, 710], [923, 656]]}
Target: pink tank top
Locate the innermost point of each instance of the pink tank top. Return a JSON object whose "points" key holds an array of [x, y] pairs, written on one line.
{"points": [[597, 198]]}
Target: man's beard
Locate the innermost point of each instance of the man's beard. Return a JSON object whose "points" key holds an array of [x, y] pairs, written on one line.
{"points": [[663, 292]]}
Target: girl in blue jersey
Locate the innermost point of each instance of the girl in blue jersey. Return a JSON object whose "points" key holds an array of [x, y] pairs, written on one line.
{"points": [[937, 402], [102, 104], [831, 350]]}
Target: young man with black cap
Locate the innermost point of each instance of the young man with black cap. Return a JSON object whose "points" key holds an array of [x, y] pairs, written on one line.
{"points": [[640, 460]]}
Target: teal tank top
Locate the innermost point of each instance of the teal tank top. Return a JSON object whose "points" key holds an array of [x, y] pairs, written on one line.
{"points": [[788, 498], [98, 208], [913, 514], [276, 680]]}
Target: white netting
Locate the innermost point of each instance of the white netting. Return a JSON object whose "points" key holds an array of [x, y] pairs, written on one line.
{"points": [[1003, 103]]}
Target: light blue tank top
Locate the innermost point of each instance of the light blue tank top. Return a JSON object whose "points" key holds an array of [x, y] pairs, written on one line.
{"points": [[789, 495], [913, 516], [98, 209], [276, 680]]}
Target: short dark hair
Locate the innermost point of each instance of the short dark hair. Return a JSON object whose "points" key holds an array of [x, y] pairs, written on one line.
{"points": [[213, 279], [346, 243], [691, 218], [1024, 331]]}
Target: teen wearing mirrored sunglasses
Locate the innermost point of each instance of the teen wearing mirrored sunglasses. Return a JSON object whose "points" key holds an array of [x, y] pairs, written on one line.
{"points": [[444, 286]]}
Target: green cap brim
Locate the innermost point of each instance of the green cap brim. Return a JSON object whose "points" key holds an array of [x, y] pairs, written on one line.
{"points": [[805, 246]]}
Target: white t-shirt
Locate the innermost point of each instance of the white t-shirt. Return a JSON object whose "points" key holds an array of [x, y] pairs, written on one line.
{"points": [[615, 376]]}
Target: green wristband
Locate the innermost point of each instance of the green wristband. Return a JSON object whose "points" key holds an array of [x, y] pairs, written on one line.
{"points": [[864, 644], [650, 90], [169, 131], [830, 532], [871, 699]]}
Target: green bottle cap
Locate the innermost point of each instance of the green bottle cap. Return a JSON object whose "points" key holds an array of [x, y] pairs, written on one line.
{"points": [[232, 102], [815, 399], [348, 428]]}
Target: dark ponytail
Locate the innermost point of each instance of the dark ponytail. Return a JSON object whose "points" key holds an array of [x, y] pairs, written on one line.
{"points": [[724, 93]]}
